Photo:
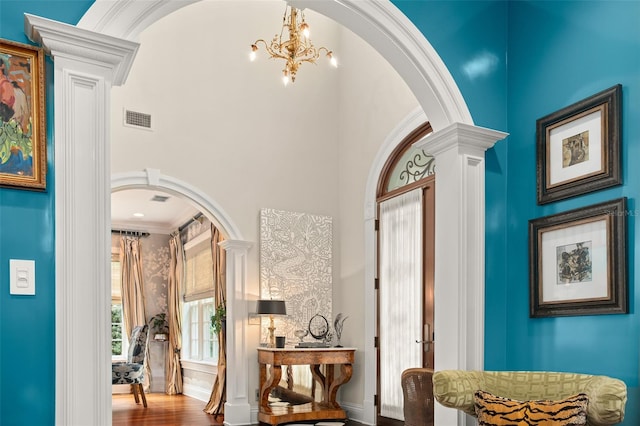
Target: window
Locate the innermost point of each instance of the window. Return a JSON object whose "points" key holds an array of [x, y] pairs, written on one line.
{"points": [[119, 342], [199, 342]]}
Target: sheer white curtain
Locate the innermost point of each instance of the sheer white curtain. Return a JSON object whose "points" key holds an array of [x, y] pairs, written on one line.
{"points": [[400, 293]]}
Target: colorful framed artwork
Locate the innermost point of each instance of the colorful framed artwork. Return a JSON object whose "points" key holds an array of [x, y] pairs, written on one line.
{"points": [[578, 147], [23, 161], [578, 261]]}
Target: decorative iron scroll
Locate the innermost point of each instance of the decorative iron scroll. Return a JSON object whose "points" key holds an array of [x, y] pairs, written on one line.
{"points": [[417, 167]]}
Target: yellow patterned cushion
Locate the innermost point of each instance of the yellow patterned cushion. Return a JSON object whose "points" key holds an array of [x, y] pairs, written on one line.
{"points": [[493, 410], [607, 396]]}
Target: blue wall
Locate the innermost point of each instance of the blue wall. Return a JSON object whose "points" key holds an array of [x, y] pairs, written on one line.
{"points": [[27, 323], [558, 52]]}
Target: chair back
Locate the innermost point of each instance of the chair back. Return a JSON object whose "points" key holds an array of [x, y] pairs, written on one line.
{"points": [[138, 344], [417, 388]]}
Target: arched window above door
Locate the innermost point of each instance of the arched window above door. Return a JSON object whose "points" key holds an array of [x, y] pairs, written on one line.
{"points": [[407, 164]]}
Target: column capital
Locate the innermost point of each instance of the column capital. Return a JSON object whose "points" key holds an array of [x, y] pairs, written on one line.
{"points": [[236, 245], [114, 56], [467, 139]]}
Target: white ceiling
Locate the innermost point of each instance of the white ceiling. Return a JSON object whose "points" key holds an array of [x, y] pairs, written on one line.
{"points": [[159, 217]]}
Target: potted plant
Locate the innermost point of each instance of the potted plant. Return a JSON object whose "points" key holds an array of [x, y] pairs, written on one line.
{"points": [[219, 319], [160, 326]]}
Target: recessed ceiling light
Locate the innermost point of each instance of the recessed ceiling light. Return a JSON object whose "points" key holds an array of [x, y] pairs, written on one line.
{"points": [[138, 214]]}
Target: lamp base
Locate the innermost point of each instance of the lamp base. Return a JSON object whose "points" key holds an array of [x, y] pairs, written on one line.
{"points": [[272, 333]]}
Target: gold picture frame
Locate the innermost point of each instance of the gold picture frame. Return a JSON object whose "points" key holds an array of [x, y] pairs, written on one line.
{"points": [[23, 152], [578, 147], [578, 261]]}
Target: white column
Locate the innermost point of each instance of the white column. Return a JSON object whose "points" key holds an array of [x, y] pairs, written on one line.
{"points": [[237, 410], [86, 65], [459, 249]]}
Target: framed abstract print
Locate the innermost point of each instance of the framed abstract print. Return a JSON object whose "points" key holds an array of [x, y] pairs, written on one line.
{"points": [[23, 161], [578, 147], [578, 261]]}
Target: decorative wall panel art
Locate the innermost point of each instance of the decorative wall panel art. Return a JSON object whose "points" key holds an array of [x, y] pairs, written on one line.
{"points": [[295, 265]]}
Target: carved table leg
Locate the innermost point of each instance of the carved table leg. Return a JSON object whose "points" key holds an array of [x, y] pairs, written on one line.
{"points": [[268, 384], [289, 377], [328, 370], [345, 375]]}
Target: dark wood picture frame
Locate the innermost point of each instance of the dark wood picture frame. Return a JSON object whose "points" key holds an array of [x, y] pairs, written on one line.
{"points": [[578, 147], [23, 140], [578, 261]]}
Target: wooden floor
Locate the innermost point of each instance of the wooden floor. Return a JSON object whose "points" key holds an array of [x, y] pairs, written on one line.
{"points": [[162, 410], [167, 410]]}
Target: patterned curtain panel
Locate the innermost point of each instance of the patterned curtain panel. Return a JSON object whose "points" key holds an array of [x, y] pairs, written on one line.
{"points": [[176, 272], [400, 296], [133, 304], [218, 393]]}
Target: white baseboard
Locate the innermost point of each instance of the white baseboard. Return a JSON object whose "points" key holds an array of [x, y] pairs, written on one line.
{"points": [[254, 415], [354, 412], [201, 394], [120, 389]]}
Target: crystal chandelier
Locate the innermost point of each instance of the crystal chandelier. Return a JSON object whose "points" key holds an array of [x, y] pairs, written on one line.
{"points": [[297, 49]]}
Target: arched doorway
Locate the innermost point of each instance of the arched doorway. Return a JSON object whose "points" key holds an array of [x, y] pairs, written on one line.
{"points": [[152, 179], [87, 62]]}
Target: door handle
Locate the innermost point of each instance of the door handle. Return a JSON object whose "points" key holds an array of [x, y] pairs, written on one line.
{"points": [[427, 337]]}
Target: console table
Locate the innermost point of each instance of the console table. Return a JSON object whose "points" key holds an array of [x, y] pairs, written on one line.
{"points": [[326, 409]]}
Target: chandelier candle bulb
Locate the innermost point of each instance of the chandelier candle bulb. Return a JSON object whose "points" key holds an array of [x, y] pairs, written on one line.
{"points": [[305, 29], [332, 59]]}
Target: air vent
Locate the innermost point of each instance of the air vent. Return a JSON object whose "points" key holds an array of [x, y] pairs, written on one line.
{"points": [[138, 120], [159, 198]]}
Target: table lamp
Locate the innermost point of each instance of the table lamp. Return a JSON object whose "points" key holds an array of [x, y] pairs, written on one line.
{"points": [[271, 308]]}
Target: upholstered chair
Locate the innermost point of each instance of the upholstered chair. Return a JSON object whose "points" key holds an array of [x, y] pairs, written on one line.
{"points": [[417, 389], [132, 371], [605, 405]]}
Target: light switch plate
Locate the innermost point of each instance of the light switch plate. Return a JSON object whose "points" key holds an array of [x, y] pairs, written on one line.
{"points": [[22, 277]]}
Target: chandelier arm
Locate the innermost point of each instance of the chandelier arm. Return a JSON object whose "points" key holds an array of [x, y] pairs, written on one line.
{"points": [[270, 49]]}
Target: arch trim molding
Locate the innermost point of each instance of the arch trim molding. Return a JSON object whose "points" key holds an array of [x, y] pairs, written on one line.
{"points": [[152, 178]]}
